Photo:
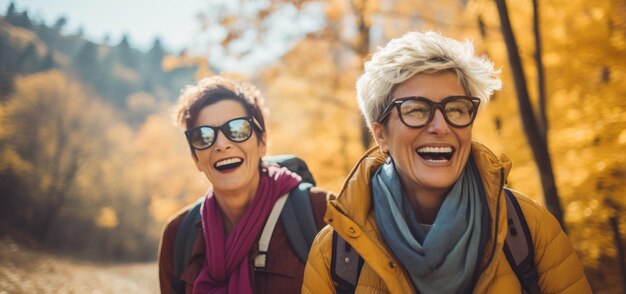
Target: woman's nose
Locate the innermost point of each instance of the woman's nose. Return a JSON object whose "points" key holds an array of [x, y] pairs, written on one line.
{"points": [[221, 142], [438, 125]]}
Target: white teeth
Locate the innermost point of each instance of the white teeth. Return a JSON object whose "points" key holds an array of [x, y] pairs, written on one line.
{"points": [[435, 150], [434, 160], [227, 161]]}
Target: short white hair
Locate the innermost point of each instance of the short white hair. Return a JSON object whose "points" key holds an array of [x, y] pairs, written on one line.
{"points": [[422, 52]]}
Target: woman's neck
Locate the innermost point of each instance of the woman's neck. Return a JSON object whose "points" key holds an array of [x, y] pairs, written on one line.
{"points": [[425, 203], [234, 203]]}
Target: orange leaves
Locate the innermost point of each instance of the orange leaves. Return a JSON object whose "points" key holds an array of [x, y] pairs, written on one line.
{"points": [[335, 10], [231, 36], [311, 104], [107, 218], [582, 53], [228, 20]]}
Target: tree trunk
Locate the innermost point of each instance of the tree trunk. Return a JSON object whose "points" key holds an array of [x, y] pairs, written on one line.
{"points": [[362, 48], [617, 238], [533, 134], [541, 88]]}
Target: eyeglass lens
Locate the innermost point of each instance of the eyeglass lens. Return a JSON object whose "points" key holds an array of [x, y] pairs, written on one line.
{"points": [[236, 130], [418, 112]]}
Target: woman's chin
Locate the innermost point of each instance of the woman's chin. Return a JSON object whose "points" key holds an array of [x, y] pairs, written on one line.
{"points": [[436, 178]]}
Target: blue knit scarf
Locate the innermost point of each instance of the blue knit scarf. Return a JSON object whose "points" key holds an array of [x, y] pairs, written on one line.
{"points": [[444, 260]]}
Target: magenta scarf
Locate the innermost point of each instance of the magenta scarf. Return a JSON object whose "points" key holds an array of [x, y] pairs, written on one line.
{"points": [[225, 268]]}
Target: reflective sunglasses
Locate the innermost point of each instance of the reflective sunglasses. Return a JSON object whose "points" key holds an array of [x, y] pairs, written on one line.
{"points": [[237, 130], [415, 112]]}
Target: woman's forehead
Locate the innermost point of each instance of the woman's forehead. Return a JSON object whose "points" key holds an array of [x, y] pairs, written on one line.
{"points": [[220, 112], [435, 86]]}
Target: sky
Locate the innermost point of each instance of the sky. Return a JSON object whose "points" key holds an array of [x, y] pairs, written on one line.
{"points": [[177, 24], [174, 21]]}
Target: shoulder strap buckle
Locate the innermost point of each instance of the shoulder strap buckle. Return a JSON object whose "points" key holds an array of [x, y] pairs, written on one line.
{"points": [[345, 265], [260, 259]]}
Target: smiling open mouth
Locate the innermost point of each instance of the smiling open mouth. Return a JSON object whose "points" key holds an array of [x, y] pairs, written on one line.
{"points": [[227, 164], [436, 154]]}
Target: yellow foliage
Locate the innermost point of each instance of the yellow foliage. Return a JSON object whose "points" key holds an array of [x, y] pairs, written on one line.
{"points": [[173, 62], [140, 101], [335, 9], [583, 48], [162, 208], [167, 168], [125, 73], [583, 45], [311, 104], [107, 218], [11, 160], [621, 139], [22, 37]]}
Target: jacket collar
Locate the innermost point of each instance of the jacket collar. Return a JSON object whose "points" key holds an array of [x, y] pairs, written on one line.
{"points": [[350, 212], [355, 198]]}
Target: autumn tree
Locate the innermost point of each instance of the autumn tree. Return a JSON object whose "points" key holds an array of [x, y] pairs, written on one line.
{"points": [[534, 125], [48, 61], [50, 136], [309, 87], [77, 174], [582, 44], [28, 61]]}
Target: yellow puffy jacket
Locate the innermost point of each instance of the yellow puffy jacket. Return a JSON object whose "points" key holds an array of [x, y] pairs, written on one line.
{"points": [[351, 215]]}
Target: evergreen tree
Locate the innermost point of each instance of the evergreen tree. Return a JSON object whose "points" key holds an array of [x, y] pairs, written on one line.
{"points": [[106, 40], [86, 62], [28, 61], [48, 62], [80, 32], [11, 10], [7, 55], [7, 85], [105, 76], [22, 20], [60, 24], [156, 53], [125, 53], [12, 16], [151, 68]]}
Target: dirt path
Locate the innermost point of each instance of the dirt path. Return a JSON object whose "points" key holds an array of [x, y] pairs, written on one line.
{"points": [[27, 271]]}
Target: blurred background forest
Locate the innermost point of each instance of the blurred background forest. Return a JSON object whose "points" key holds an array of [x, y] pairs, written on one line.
{"points": [[91, 164]]}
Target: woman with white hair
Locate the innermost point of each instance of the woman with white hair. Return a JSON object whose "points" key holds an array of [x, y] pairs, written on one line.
{"points": [[426, 210]]}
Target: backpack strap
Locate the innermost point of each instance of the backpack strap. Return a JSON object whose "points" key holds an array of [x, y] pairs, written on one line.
{"points": [[183, 244], [292, 163], [264, 241], [295, 212], [518, 246], [297, 218], [345, 265]]}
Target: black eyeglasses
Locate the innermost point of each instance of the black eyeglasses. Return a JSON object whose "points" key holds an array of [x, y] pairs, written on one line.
{"points": [[237, 130], [415, 112]]}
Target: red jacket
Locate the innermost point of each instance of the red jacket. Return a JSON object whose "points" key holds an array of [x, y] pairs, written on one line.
{"points": [[284, 271]]}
